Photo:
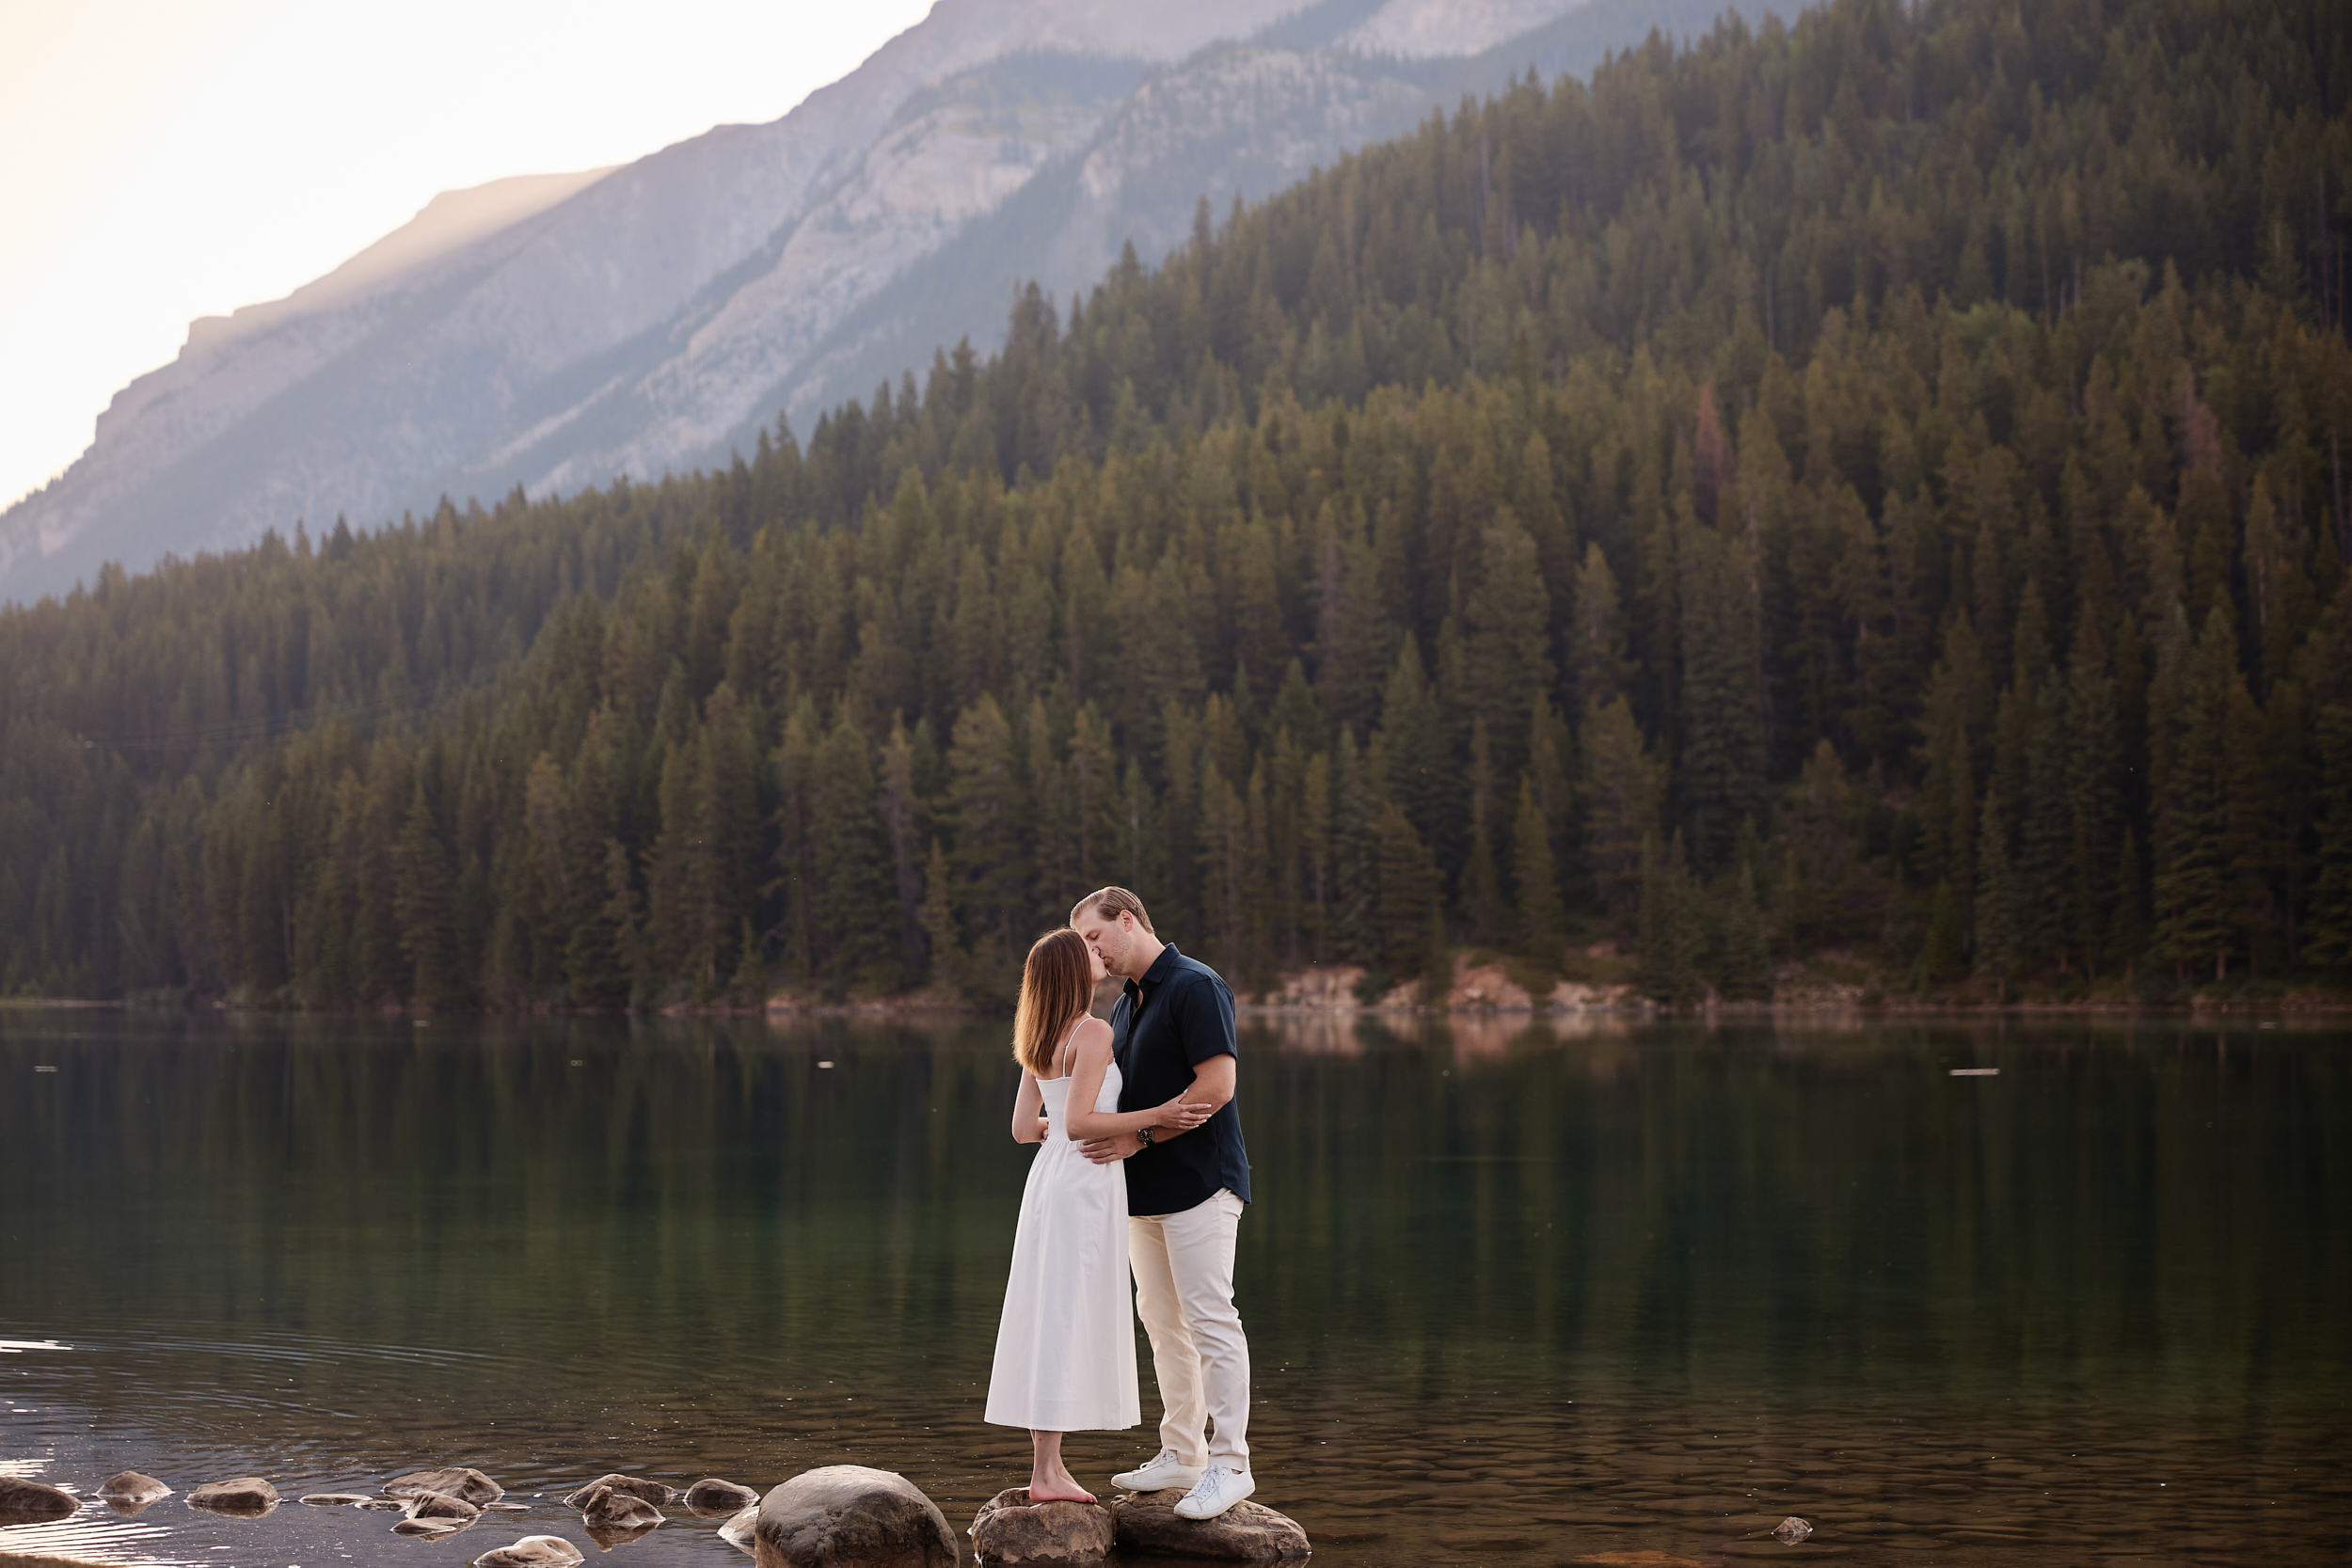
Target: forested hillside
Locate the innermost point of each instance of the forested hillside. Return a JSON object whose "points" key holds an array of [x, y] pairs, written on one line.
{"points": [[1873, 486]]}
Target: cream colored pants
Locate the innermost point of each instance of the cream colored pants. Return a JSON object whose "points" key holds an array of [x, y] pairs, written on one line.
{"points": [[1184, 1267]]}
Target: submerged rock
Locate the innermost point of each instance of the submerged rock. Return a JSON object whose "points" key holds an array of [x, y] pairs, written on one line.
{"points": [[382, 1505], [440, 1505], [246, 1498], [532, 1551], [430, 1526], [743, 1531], [1245, 1532], [850, 1516], [337, 1500], [1012, 1529], [636, 1486], [1791, 1530], [610, 1536], [33, 1502], [711, 1497], [455, 1482], [132, 1490], [611, 1511]]}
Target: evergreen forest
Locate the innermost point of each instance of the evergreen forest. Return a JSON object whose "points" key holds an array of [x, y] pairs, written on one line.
{"points": [[1859, 497]]}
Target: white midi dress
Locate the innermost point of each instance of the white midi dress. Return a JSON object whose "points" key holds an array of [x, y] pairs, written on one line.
{"points": [[1066, 1344]]}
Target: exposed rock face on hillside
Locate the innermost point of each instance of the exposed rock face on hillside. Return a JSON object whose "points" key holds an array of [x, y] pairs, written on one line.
{"points": [[555, 331]]}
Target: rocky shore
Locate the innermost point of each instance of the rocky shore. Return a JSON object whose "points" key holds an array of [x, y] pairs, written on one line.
{"points": [[836, 1516]]}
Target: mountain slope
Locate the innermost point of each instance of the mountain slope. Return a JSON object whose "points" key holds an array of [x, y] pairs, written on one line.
{"points": [[649, 318]]}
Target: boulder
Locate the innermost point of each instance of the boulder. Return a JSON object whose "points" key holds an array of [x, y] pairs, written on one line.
{"points": [[609, 1508], [455, 1482], [247, 1496], [1245, 1532], [134, 1489], [532, 1551], [636, 1486], [440, 1505], [33, 1502], [743, 1531], [430, 1526], [850, 1516], [712, 1498], [336, 1499], [1013, 1530]]}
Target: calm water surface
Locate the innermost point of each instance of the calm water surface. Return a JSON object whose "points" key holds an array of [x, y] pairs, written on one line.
{"points": [[1515, 1294]]}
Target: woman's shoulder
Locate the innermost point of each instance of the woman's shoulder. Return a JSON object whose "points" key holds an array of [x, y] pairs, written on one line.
{"points": [[1092, 1031]]}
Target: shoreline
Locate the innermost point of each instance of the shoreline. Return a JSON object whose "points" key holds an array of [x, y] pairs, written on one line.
{"points": [[893, 1011]]}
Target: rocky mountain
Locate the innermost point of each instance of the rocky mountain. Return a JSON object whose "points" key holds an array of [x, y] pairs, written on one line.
{"points": [[555, 331]]}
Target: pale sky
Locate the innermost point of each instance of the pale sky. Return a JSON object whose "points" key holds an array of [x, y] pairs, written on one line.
{"points": [[161, 160]]}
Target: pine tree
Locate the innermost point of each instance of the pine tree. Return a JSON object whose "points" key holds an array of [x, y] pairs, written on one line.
{"points": [[1620, 798], [1409, 891], [1667, 963], [2196, 925], [1534, 879], [2327, 933], [422, 899], [1722, 756], [985, 806], [1744, 970], [1945, 950], [2000, 931], [855, 903]]}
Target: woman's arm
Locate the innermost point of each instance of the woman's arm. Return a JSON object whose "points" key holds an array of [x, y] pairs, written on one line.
{"points": [[1085, 1083], [1027, 1105]]}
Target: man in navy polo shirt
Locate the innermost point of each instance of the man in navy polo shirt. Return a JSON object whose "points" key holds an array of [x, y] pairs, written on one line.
{"points": [[1173, 1033]]}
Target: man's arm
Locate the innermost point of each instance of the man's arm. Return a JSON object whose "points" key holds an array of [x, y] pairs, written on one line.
{"points": [[1206, 1026]]}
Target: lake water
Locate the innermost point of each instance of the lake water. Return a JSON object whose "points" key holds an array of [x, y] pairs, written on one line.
{"points": [[1515, 1294]]}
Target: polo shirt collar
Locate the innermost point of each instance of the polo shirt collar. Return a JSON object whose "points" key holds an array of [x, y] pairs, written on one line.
{"points": [[1158, 972]]}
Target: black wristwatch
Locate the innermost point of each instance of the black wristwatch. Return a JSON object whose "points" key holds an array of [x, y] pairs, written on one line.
{"points": [[1143, 1136]]}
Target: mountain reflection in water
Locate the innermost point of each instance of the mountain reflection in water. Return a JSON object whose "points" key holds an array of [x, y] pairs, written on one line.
{"points": [[1516, 1290]]}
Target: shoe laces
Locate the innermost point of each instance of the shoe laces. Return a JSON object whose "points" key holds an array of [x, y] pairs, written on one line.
{"points": [[1207, 1484]]}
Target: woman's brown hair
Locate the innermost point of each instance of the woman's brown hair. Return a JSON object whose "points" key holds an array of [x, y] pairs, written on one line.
{"points": [[1057, 986]]}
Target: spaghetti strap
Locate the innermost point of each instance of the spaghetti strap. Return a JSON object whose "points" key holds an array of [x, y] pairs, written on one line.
{"points": [[1068, 1048]]}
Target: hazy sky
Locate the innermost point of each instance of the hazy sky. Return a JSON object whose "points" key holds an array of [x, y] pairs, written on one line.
{"points": [[161, 160]]}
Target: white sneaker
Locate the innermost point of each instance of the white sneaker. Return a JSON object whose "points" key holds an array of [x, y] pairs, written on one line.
{"points": [[1161, 1471], [1217, 1490]]}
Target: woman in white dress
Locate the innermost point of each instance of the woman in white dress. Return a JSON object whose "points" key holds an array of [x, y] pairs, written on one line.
{"points": [[1066, 1344]]}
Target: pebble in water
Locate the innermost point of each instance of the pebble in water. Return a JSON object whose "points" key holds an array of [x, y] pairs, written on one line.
{"points": [[1791, 1530]]}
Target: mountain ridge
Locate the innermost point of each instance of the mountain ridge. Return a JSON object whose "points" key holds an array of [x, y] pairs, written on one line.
{"points": [[661, 312]]}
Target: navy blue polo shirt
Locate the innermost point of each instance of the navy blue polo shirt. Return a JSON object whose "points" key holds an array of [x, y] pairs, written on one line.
{"points": [[1178, 1016]]}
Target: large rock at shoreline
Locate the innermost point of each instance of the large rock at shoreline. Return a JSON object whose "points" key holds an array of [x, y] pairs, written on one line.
{"points": [[743, 1531], [532, 1551], [1245, 1532], [33, 1502], [247, 1496], [455, 1482], [711, 1497], [653, 1492], [1013, 1530], [850, 1516]]}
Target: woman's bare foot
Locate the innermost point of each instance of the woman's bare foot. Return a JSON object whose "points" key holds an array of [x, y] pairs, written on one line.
{"points": [[1063, 1488], [1050, 1481]]}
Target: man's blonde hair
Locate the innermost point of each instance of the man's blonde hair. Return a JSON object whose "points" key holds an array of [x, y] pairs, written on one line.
{"points": [[1113, 902]]}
